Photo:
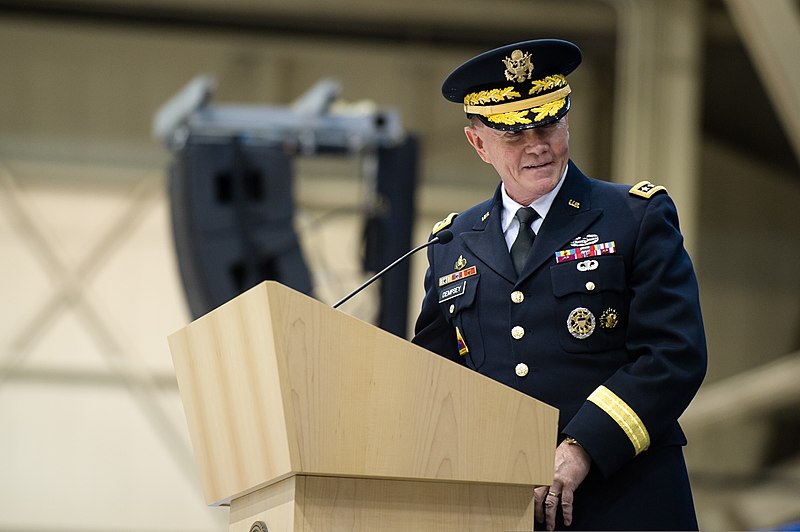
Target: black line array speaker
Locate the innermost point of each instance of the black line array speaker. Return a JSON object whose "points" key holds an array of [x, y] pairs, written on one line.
{"points": [[232, 217], [388, 231]]}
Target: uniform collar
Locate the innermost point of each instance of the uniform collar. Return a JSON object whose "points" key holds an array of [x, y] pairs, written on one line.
{"points": [[541, 205]]}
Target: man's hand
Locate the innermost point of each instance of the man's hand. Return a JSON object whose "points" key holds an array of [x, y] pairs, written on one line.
{"points": [[572, 466]]}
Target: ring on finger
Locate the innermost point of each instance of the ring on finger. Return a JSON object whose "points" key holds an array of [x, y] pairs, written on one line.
{"points": [[553, 494]]}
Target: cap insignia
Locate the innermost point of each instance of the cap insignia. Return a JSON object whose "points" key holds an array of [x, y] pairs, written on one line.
{"points": [[519, 66]]}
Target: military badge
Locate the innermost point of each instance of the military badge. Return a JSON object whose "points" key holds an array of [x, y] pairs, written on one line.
{"points": [[453, 291], [448, 220], [581, 323], [645, 189], [609, 319], [519, 66], [483, 218], [574, 204], [588, 265], [455, 276], [582, 252], [461, 263], [587, 240], [462, 346]]}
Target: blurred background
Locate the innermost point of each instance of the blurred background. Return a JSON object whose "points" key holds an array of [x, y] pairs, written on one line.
{"points": [[700, 96]]}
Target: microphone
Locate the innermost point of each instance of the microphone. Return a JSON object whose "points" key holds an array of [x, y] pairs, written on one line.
{"points": [[442, 237]]}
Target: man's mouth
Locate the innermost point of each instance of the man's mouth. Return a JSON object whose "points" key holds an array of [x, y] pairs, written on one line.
{"points": [[534, 166]]}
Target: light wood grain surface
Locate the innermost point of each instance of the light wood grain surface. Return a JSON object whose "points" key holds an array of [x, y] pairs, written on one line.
{"points": [[275, 383]]}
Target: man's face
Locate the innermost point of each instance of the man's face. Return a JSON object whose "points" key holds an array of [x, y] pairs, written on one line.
{"points": [[530, 162]]}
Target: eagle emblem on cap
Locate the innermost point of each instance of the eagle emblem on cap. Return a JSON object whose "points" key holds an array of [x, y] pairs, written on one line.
{"points": [[519, 66]]}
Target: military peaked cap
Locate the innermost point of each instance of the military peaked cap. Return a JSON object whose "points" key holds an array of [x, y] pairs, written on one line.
{"points": [[517, 86]]}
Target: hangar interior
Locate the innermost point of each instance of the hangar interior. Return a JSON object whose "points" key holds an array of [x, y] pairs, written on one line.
{"points": [[700, 96]]}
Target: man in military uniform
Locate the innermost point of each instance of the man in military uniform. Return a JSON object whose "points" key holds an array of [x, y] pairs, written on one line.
{"points": [[575, 291]]}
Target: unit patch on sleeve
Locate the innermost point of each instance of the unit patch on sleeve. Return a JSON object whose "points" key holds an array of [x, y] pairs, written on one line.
{"points": [[462, 346], [645, 189]]}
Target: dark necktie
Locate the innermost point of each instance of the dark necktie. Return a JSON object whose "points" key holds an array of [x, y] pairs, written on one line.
{"points": [[522, 245]]}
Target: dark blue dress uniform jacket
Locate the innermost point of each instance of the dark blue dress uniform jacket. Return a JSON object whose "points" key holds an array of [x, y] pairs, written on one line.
{"points": [[620, 390]]}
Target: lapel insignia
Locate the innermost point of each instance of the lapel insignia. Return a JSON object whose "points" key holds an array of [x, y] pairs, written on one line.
{"points": [[566, 255], [460, 263], [587, 240], [455, 276], [574, 204], [483, 218], [645, 189], [462, 346]]}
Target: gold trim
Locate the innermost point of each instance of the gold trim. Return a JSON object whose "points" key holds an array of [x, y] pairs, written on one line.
{"points": [[548, 109], [519, 105], [547, 83], [646, 189], [511, 118], [438, 226], [623, 415], [494, 95]]}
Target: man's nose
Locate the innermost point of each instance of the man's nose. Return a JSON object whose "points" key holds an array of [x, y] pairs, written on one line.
{"points": [[534, 140]]}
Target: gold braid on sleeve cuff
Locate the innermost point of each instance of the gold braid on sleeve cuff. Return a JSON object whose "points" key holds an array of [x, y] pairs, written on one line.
{"points": [[623, 415]]}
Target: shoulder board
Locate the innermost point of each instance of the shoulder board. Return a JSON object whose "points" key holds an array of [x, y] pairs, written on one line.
{"points": [[438, 226], [645, 189]]}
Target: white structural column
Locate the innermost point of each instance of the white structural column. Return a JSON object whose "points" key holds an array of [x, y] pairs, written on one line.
{"points": [[657, 101], [771, 32]]}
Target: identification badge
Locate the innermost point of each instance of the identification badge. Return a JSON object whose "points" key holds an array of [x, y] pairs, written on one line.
{"points": [[453, 291]]}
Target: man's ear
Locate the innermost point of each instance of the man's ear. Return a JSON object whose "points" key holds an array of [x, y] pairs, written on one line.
{"points": [[476, 141]]}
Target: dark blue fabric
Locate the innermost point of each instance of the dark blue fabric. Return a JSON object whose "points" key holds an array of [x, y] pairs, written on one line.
{"points": [[654, 359]]}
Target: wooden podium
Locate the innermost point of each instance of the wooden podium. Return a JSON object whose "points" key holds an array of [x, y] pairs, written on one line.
{"points": [[303, 418]]}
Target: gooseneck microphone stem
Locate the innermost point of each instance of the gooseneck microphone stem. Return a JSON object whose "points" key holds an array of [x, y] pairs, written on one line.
{"points": [[443, 237]]}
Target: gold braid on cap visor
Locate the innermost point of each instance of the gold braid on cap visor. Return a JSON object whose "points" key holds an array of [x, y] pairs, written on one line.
{"points": [[519, 105]]}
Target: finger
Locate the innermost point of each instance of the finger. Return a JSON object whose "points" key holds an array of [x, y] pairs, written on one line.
{"points": [[567, 497], [550, 510], [539, 495]]}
